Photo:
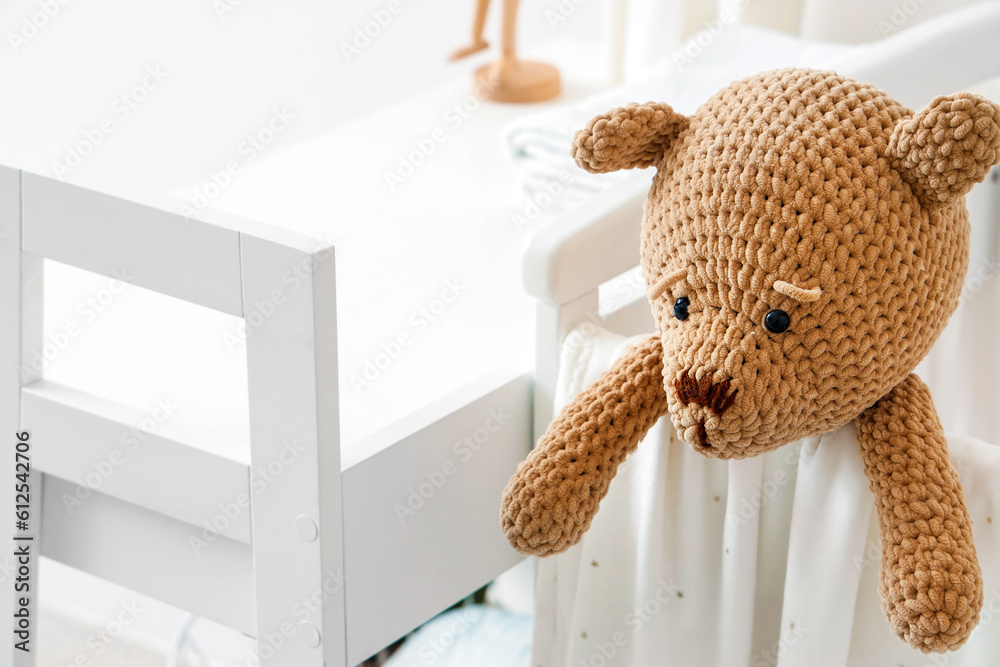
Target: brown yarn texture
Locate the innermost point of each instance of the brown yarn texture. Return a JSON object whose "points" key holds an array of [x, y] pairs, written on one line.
{"points": [[943, 147], [628, 137], [809, 199], [552, 499], [931, 586]]}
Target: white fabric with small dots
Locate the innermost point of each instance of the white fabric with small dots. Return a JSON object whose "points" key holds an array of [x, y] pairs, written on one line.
{"points": [[798, 584]]}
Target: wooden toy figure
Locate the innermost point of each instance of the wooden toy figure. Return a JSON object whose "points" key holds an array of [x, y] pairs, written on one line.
{"points": [[508, 79]]}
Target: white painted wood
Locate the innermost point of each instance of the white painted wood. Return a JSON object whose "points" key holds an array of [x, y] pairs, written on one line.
{"points": [[437, 410], [552, 324], [10, 361], [290, 309], [589, 246], [10, 383], [630, 319], [26, 319], [152, 554], [32, 313], [144, 246], [96, 444], [32, 332], [422, 528]]}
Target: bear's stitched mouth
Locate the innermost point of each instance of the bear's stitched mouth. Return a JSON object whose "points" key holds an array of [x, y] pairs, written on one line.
{"points": [[702, 434], [713, 395]]}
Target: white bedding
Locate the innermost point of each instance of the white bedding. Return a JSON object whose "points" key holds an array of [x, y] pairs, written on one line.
{"points": [[767, 561], [539, 144]]}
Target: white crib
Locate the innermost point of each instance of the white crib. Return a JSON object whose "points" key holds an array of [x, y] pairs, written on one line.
{"points": [[313, 535], [369, 577]]}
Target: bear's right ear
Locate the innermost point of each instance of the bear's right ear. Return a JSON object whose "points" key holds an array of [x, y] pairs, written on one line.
{"points": [[627, 137], [948, 147]]}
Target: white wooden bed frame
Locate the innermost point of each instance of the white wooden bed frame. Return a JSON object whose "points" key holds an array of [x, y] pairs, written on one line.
{"points": [[326, 529]]}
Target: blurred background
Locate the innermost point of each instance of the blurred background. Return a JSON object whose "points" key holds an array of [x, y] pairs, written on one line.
{"points": [[148, 100]]}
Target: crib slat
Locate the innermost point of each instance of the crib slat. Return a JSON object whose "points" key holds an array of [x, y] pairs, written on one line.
{"points": [[552, 324], [141, 245], [630, 319], [150, 553], [97, 445], [290, 305], [585, 248]]}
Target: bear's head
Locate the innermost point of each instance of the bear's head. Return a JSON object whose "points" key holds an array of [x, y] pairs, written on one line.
{"points": [[804, 243]]}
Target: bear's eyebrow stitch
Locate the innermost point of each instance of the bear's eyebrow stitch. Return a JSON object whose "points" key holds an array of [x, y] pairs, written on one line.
{"points": [[665, 283], [797, 293]]}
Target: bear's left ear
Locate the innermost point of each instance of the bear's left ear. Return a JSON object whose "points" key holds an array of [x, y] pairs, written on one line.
{"points": [[632, 136], [948, 147]]}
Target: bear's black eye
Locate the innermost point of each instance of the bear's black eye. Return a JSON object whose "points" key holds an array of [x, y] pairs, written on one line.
{"points": [[681, 308], [777, 321]]}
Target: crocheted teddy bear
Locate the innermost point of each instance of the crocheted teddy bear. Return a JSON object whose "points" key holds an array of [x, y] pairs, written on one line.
{"points": [[804, 242]]}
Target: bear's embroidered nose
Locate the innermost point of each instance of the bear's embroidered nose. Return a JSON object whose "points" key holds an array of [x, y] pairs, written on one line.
{"points": [[714, 396]]}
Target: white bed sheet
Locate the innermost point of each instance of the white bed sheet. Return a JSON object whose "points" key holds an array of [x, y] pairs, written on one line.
{"points": [[771, 560]]}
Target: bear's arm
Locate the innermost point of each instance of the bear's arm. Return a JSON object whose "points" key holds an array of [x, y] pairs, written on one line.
{"points": [[930, 582], [552, 498]]}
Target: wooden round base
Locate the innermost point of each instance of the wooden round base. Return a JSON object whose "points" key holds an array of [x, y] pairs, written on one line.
{"points": [[525, 81]]}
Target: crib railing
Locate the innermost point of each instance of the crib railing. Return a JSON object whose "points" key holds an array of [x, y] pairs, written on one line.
{"points": [[564, 268], [287, 544]]}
